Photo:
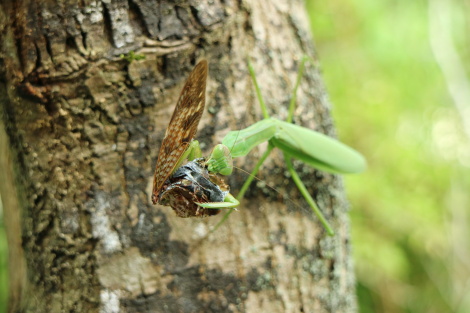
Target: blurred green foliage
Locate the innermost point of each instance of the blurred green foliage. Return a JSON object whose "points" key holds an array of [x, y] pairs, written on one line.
{"points": [[391, 102], [3, 264]]}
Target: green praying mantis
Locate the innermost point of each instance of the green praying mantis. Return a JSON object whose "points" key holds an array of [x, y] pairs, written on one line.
{"points": [[311, 147]]}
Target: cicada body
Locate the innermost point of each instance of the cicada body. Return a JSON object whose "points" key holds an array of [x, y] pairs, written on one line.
{"points": [[191, 184], [193, 189]]}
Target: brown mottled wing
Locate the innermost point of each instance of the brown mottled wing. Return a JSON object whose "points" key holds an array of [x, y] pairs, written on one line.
{"points": [[182, 127]]}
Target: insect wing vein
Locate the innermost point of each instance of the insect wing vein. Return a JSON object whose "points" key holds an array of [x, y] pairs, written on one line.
{"points": [[182, 127]]}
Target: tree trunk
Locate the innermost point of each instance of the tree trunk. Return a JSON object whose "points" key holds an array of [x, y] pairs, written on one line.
{"points": [[82, 132]]}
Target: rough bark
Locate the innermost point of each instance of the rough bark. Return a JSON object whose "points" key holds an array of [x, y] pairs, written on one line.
{"points": [[83, 127]]}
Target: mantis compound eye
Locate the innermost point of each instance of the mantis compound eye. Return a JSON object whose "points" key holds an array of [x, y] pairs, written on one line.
{"points": [[220, 160]]}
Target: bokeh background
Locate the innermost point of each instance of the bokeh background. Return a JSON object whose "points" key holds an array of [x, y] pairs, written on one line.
{"points": [[3, 264], [397, 73]]}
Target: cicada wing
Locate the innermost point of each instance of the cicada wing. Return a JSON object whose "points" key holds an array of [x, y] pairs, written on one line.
{"points": [[182, 127]]}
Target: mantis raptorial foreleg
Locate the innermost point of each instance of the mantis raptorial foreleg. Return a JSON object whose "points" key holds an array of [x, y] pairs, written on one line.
{"points": [[219, 162]]}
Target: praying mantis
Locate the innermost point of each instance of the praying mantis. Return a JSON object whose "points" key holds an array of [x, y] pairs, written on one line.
{"points": [[181, 187]]}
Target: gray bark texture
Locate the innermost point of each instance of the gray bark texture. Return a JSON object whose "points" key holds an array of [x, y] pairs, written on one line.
{"points": [[81, 129]]}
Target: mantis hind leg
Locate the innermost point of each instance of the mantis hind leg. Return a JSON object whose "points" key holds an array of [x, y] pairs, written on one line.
{"points": [[303, 190], [293, 99]]}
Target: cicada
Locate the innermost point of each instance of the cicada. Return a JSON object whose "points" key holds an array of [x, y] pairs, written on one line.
{"points": [[194, 189]]}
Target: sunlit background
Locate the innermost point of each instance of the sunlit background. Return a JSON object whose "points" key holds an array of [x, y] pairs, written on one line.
{"points": [[397, 73]]}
